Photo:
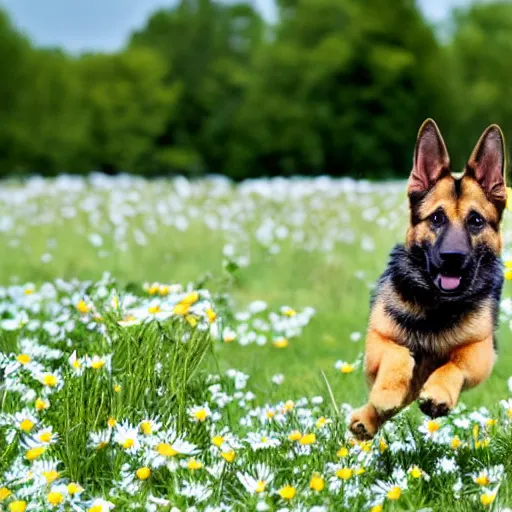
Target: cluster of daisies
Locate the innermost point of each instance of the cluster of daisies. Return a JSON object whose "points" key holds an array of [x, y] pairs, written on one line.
{"points": [[127, 215], [72, 438]]}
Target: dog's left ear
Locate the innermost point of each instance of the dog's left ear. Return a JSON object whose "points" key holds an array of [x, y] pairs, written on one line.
{"points": [[487, 165]]}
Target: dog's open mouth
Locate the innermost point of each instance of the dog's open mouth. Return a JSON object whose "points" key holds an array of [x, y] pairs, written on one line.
{"points": [[448, 283]]}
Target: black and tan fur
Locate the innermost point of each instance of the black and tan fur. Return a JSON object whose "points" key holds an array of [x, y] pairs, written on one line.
{"points": [[434, 312]]}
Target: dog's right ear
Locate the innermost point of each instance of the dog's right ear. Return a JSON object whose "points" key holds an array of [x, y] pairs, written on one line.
{"points": [[431, 160]]}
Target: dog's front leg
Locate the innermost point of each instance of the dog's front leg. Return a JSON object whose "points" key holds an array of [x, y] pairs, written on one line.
{"points": [[389, 370], [468, 365]]}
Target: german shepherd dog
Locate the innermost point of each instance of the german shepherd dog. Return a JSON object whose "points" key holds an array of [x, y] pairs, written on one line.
{"points": [[434, 313]]}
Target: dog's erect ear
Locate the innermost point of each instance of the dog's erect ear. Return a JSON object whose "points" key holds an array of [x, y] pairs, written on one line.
{"points": [[431, 160], [487, 164]]}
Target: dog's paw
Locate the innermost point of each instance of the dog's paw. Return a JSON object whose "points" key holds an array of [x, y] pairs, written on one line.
{"points": [[364, 423], [387, 401], [435, 402]]}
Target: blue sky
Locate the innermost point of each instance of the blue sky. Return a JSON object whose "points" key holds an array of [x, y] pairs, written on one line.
{"points": [[80, 25]]}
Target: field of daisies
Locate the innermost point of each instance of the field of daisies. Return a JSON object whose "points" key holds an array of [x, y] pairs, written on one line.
{"points": [[177, 345]]}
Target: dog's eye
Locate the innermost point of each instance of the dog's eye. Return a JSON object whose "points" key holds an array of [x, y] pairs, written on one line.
{"points": [[437, 219], [475, 221]]}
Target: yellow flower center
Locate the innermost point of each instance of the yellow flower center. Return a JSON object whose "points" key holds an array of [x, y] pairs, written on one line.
{"points": [[217, 441], [289, 312], [128, 443], [83, 307], [360, 471], [101, 445], [146, 428], [26, 425], [346, 368], [35, 453], [394, 493], [416, 472], [211, 315], [4, 493], [77, 364], [97, 364], [163, 290], [201, 414], [342, 452], [482, 479], [166, 450], [456, 442], [55, 498], [228, 456], [18, 506], [51, 476], [111, 422], [295, 436], [432, 426], [194, 464], [23, 359], [41, 404], [95, 508], [229, 338], [365, 446], [153, 289], [487, 498], [45, 437], [321, 422], [289, 405], [376, 508], [74, 488], [345, 473], [152, 310], [482, 444], [50, 380], [143, 473], [192, 320], [308, 439], [29, 291], [317, 483], [117, 388], [190, 298], [287, 492], [181, 309], [260, 486], [280, 343], [383, 446]]}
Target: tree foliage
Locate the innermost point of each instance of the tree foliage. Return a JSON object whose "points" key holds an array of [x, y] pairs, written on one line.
{"points": [[334, 86]]}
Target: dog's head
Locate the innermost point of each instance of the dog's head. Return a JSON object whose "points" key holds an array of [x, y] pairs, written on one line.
{"points": [[455, 221]]}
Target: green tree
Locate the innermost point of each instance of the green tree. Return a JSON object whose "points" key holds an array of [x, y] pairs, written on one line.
{"points": [[129, 105], [14, 60], [52, 117], [342, 90], [480, 52], [208, 48]]}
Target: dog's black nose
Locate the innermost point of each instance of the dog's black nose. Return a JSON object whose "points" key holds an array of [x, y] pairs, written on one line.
{"points": [[453, 261]]}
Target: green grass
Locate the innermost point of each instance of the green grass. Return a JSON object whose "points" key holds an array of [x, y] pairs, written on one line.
{"points": [[330, 244], [297, 277]]}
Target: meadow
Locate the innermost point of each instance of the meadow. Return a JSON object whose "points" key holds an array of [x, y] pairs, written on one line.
{"points": [[196, 345]]}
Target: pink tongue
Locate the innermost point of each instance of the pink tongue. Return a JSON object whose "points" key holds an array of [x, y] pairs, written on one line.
{"points": [[449, 283]]}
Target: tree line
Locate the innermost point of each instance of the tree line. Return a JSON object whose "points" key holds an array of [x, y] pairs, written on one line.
{"points": [[334, 87]]}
